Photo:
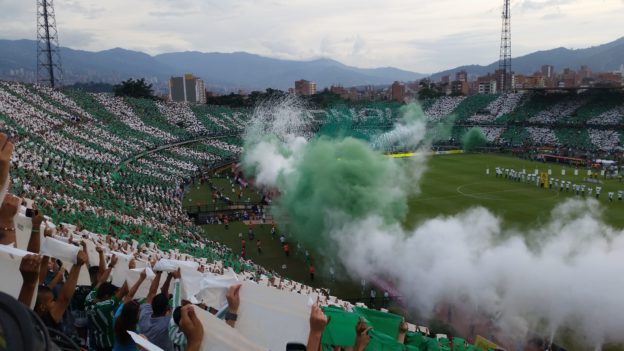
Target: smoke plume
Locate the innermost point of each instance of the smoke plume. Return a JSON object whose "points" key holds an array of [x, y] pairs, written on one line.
{"points": [[345, 199]]}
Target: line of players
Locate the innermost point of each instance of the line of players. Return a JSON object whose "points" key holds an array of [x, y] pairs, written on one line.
{"points": [[561, 184]]}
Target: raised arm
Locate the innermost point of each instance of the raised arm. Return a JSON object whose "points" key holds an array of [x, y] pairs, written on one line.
{"points": [[362, 338], [57, 277], [153, 288], [165, 288], [191, 327], [43, 269], [6, 150], [68, 288], [8, 210], [29, 268], [233, 299], [318, 322], [135, 287], [122, 292], [102, 260], [402, 330], [103, 276], [34, 243]]}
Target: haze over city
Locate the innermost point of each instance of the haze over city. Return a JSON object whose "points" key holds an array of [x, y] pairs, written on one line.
{"points": [[421, 36]]}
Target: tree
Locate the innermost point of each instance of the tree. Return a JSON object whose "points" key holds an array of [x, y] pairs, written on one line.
{"points": [[134, 88]]}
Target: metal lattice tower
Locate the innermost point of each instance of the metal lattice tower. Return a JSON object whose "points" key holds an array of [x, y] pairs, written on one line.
{"points": [[504, 64], [49, 70]]}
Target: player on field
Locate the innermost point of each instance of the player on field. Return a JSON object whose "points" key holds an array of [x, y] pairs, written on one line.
{"points": [[620, 193], [611, 196], [598, 189]]}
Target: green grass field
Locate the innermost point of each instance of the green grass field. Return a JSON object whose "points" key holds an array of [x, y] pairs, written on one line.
{"points": [[456, 183], [450, 185]]}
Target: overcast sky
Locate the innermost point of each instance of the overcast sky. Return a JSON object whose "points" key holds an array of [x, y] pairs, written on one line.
{"points": [[418, 35]]}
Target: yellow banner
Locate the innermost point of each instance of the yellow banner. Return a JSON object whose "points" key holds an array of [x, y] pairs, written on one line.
{"points": [[484, 344], [413, 154]]}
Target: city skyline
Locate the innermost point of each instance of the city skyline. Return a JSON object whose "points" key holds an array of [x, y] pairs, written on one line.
{"points": [[357, 33]]}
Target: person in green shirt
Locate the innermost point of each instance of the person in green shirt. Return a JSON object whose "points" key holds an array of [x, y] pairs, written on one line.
{"points": [[100, 307]]}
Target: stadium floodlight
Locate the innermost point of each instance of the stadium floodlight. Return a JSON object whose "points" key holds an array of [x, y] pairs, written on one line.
{"points": [[49, 69], [504, 63]]}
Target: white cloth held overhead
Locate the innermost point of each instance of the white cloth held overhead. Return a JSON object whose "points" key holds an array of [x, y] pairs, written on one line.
{"points": [[143, 342], [58, 249], [168, 265], [218, 336], [279, 310]]}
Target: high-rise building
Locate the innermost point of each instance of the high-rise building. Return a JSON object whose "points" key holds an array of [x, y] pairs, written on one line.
{"points": [[461, 76], [188, 88], [459, 87], [488, 84], [305, 88], [397, 92], [548, 71]]}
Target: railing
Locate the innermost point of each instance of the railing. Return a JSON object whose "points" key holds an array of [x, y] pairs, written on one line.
{"points": [[211, 208], [178, 143]]}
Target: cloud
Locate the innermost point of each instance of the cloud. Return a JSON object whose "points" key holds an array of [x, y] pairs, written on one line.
{"points": [[544, 4], [418, 35]]}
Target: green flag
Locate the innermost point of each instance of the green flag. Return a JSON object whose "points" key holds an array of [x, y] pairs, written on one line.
{"points": [[341, 328], [383, 342], [387, 323]]}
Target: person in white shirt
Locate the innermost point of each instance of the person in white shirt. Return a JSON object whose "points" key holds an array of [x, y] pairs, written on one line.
{"points": [[620, 193], [611, 196]]}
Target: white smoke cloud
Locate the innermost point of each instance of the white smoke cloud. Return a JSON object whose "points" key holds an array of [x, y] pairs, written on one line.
{"points": [[565, 273], [274, 139], [568, 276]]}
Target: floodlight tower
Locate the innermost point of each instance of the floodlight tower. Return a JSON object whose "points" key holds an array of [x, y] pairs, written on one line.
{"points": [[504, 63], [49, 69]]}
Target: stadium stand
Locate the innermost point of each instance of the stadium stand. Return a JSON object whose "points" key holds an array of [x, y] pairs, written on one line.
{"points": [[471, 106], [110, 173], [90, 163], [442, 108]]}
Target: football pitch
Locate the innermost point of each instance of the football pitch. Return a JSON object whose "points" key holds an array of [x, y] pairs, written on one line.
{"points": [[455, 183], [451, 184]]}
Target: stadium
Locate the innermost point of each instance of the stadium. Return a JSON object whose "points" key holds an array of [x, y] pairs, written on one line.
{"points": [[483, 213], [170, 184]]}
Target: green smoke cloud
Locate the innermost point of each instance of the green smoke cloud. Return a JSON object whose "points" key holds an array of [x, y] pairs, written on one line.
{"points": [[339, 175], [339, 180], [473, 139]]}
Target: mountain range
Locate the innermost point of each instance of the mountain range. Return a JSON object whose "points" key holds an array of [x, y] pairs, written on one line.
{"points": [[601, 58], [241, 70]]}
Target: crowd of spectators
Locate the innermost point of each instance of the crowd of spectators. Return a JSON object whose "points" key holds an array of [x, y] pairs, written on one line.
{"points": [[443, 107], [560, 112], [613, 116], [96, 243], [85, 238]]}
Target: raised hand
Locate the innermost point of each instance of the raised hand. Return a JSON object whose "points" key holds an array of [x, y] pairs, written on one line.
{"points": [[362, 338], [318, 320], [6, 151], [29, 268], [113, 261], [37, 218], [82, 258], [191, 327], [233, 298], [9, 207]]}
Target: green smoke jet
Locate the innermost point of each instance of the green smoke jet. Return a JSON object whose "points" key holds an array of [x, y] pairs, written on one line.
{"points": [[473, 139], [335, 181], [340, 175]]}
